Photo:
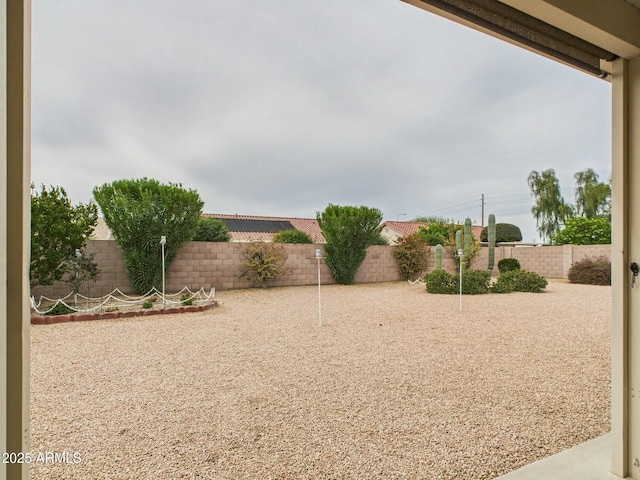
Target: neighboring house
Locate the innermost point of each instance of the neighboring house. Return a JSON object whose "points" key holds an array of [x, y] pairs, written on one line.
{"points": [[251, 228], [243, 228], [393, 230]]}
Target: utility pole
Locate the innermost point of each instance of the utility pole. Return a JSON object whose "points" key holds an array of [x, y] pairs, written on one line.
{"points": [[483, 210]]}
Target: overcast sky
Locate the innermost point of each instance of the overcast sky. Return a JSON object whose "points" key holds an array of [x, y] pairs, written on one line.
{"points": [[282, 107]]}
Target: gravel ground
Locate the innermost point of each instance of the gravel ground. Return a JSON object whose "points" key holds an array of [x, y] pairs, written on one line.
{"points": [[396, 384]]}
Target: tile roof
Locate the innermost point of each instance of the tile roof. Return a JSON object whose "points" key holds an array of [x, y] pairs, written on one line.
{"points": [[409, 228], [308, 225]]}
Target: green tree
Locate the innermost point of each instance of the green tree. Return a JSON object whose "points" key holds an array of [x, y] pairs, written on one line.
{"points": [[593, 198], [349, 231], [550, 210], [139, 212], [58, 229], [211, 230], [435, 233], [584, 231], [292, 236]]}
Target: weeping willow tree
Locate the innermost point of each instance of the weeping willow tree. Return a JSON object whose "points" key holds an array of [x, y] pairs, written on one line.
{"points": [[550, 210], [139, 212]]}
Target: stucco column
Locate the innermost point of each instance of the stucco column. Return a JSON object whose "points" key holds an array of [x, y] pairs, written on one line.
{"points": [[15, 178], [625, 340]]}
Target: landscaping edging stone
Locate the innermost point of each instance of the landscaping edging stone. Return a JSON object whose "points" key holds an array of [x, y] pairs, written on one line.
{"points": [[82, 317]]}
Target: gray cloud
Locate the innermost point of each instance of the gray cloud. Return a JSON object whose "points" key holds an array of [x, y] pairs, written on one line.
{"points": [[280, 108]]}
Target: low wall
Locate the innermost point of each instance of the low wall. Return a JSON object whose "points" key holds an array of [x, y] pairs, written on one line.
{"points": [[219, 265]]}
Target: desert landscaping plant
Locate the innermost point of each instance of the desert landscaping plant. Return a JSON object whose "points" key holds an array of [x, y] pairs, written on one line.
{"points": [[519, 281], [412, 253], [139, 212], [508, 264], [349, 231], [263, 262], [211, 229], [292, 236], [505, 232], [58, 229], [584, 231], [474, 282], [591, 270]]}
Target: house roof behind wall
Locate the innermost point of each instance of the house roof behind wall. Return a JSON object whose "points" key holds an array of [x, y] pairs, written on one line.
{"points": [[246, 228]]}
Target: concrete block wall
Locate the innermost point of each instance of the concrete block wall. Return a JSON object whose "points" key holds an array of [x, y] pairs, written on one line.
{"points": [[219, 265]]}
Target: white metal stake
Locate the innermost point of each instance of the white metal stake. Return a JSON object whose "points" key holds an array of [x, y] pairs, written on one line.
{"points": [[318, 257], [460, 254], [163, 240]]}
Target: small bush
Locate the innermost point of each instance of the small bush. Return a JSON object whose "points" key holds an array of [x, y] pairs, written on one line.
{"points": [[147, 305], [60, 309], [292, 236], [474, 282], [441, 281], [263, 261], [519, 281], [186, 299], [412, 253], [591, 270], [211, 229], [508, 265]]}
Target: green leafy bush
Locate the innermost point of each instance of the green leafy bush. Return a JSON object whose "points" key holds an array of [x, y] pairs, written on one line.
{"points": [[139, 212], [58, 230], [591, 270], [349, 231], [263, 261], [474, 282], [412, 253], [211, 229], [505, 232], [60, 309], [508, 265], [434, 233], [147, 305], [186, 299], [584, 231], [519, 281], [441, 281], [292, 236]]}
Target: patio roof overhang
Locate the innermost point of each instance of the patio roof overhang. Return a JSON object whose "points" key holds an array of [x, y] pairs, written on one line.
{"points": [[583, 35]]}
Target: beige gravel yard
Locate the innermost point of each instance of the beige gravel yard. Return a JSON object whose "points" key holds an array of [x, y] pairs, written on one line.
{"points": [[397, 383]]}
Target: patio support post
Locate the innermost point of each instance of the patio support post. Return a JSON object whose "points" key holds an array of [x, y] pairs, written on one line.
{"points": [[625, 328], [15, 178]]}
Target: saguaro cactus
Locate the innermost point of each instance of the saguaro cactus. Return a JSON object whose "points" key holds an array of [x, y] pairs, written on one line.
{"points": [[438, 257], [458, 240], [467, 237], [491, 234]]}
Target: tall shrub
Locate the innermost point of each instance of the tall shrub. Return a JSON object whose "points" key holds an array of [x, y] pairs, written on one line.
{"points": [[348, 232], [139, 212], [211, 229], [292, 236], [412, 253], [58, 229]]}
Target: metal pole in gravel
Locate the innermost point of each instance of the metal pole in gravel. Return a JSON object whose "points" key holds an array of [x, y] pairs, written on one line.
{"points": [[319, 257], [461, 255]]}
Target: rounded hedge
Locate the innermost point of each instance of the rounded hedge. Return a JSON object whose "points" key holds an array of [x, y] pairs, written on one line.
{"points": [[292, 236], [505, 232], [591, 270], [519, 281], [508, 265]]}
